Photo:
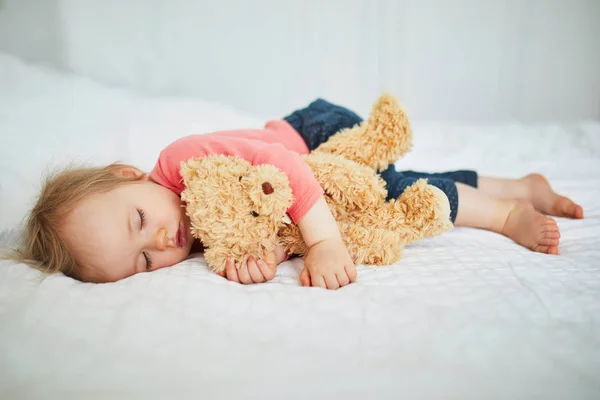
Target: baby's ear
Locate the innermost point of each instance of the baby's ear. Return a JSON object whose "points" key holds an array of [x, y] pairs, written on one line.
{"points": [[127, 171]]}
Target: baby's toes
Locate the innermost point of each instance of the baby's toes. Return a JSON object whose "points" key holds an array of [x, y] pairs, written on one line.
{"points": [[565, 207], [550, 235], [549, 225], [575, 211], [546, 249], [550, 221], [546, 241]]}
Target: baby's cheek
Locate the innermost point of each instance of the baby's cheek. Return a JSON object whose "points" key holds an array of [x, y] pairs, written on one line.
{"points": [[182, 254], [168, 259]]}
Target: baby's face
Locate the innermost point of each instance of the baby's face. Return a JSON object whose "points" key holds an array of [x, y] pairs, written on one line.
{"points": [[134, 228]]}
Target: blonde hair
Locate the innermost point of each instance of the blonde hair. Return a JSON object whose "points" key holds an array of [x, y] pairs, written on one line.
{"points": [[42, 245]]}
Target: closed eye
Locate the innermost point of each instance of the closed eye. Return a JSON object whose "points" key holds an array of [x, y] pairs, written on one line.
{"points": [[142, 215], [148, 261]]}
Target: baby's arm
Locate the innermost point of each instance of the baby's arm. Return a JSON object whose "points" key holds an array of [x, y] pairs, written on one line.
{"points": [[327, 263]]}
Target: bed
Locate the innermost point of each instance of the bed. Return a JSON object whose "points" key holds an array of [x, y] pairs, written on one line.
{"points": [[465, 315]]}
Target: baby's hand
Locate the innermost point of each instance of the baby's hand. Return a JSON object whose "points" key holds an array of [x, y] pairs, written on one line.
{"points": [[328, 265], [254, 271]]}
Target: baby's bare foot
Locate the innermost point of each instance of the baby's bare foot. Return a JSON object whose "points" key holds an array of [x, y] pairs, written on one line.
{"points": [[531, 229], [547, 201]]}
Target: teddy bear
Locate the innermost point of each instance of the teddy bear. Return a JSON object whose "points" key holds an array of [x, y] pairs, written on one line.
{"points": [[238, 209]]}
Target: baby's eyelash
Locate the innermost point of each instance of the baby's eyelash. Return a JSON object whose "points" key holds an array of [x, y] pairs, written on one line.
{"points": [[142, 215], [142, 218], [148, 261]]}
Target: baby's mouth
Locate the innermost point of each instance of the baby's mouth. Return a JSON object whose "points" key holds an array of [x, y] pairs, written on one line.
{"points": [[181, 237]]}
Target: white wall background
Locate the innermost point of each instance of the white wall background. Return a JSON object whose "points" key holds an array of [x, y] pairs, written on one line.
{"points": [[455, 60]]}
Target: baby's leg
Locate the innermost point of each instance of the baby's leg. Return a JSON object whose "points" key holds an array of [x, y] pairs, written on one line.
{"points": [[515, 219], [320, 120], [535, 189], [397, 182]]}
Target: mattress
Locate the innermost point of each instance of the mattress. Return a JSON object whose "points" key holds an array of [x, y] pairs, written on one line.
{"points": [[466, 315]]}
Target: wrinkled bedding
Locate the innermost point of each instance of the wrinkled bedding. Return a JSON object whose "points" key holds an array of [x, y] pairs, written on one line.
{"points": [[465, 315]]}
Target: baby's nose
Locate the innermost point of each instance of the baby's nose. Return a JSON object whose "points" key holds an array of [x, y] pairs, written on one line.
{"points": [[160, 240]]}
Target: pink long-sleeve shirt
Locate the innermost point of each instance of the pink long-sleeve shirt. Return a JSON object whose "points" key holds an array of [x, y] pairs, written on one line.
{"points": [[278, 144]]}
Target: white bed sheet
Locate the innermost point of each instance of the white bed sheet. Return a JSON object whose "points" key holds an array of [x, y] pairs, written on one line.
{"points": [[465, 315]]}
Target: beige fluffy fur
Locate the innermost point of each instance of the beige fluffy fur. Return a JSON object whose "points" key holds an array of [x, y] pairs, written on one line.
{"points": [[235, 215]]}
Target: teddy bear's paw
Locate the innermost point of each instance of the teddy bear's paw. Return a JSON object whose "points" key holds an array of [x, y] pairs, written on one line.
{"points": [[381, 140], [387, 131], [441, 205], [426, 210], [371, 246]]}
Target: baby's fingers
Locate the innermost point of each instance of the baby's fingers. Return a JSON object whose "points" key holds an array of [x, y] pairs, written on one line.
{"points": [[255, 273], [243, 273], [231, 271], [351, 272], [342, 278], [305, 277], [267, 269], [319, 281], [331, 281]]}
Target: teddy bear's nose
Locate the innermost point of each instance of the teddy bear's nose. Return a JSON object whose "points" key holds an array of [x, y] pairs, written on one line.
{"points": [[267, 188]]}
